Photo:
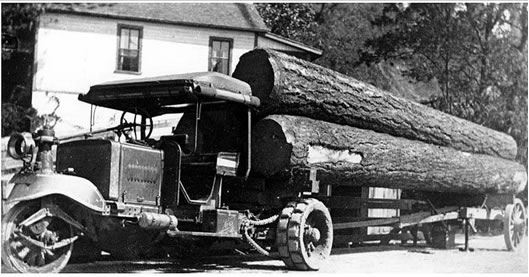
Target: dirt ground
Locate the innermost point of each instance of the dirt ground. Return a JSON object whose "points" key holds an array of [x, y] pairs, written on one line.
{"points": [[489, 256]]}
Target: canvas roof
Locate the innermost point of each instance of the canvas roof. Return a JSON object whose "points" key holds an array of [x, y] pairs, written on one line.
{"points": [[152, 94]]}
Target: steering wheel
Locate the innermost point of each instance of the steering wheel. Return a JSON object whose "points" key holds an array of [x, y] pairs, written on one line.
{"points": [[145, 125]]}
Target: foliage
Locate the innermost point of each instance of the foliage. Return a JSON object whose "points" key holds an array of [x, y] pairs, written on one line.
{"points": [[290, 20], [341, 32], [478, 52], [338, 29], [20, 20], [16, 118]]}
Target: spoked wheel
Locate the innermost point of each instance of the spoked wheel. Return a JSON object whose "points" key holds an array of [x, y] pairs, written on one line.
{"points": [[34, 248], [514, 224], [304, 234]]}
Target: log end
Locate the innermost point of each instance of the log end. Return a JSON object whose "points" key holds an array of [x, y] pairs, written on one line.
{"points": [[270, 150], [256, 69]]}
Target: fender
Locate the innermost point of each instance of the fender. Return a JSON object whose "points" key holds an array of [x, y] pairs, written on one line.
{"points": [[31, 186]]}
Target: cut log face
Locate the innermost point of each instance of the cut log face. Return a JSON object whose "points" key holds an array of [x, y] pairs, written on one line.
{"points": [[285, 145], [287, 85]]}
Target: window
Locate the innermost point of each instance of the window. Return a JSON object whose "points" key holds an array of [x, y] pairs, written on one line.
{"points": [[129, 48], [220, 55]]}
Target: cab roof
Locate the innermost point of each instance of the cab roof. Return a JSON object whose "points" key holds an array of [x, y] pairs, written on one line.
{"points": [[154, 93]]}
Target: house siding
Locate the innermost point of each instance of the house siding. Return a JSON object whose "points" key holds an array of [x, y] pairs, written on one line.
{"points": [[74, 52]]}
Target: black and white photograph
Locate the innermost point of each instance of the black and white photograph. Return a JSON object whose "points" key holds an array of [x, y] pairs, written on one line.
{"points": [[264, 137]]}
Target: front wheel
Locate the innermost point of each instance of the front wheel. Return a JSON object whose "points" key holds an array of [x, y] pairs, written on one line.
{"points": [[304, 234], [30, 249]]}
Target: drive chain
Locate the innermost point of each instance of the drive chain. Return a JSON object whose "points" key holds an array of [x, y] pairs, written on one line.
{"points": [[246, 225]]}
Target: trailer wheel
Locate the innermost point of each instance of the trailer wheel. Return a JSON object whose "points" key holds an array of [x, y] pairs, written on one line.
{"points": [[304, 234], [514, 224], [19, 255]]}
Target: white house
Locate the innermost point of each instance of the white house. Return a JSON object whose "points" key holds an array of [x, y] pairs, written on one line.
{"points": [[89, 44]]}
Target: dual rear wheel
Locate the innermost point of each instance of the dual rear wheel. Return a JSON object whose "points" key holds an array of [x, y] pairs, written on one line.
{"points": [[304, 234]]}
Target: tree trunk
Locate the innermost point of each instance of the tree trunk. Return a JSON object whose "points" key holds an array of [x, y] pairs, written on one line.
{"points": [[286, 147], [287, 85]]}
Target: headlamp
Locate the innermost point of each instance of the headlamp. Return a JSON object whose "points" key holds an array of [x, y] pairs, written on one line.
{"points": [[20, 145]]}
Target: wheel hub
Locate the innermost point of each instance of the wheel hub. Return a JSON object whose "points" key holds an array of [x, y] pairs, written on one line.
{"points": [[39, 227], [312, 234], [519, 225], [49, 237]]}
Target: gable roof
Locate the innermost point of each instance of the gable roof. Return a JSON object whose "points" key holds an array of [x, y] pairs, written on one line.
{"points": [[315, 52], [234, 16]]}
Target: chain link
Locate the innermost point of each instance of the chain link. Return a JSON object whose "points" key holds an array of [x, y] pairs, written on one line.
{"points": [[263, 221], [246, 225]]}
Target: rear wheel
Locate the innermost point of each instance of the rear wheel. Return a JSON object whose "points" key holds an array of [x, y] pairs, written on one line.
{"points": [[20, 253], [514, 224], [304, 234]]}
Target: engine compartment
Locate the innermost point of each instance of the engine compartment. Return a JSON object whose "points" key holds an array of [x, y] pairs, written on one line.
{"points": [[122, 172]]}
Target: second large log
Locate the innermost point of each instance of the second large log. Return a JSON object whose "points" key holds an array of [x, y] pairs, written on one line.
{"points": [[287, 85], [349, 156]]}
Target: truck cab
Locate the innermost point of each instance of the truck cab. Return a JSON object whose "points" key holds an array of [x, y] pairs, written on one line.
{"points": [[185, 168], [133, 191]]}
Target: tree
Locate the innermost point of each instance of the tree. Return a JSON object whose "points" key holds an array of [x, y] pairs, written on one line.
{"points": [[291, 20], [341, 31], [336, 28], [19, 24], [478, 52]]}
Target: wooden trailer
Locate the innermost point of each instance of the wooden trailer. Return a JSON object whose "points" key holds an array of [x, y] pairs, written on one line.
{"points": [[501, 212]]}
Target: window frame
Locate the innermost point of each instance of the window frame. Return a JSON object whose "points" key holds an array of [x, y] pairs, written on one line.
{"points": [[118, 48], [230, 54]]}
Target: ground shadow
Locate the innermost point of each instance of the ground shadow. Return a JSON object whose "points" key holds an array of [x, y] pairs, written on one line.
{"points": [[368, 248], [420, 247], [189, 265]]}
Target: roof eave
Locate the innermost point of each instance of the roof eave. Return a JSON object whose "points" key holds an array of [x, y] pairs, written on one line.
{"points": [[293, 43], [154, 20]]}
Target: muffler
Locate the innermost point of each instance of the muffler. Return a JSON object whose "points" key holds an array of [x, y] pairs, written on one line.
{"points": [[157, 221]]}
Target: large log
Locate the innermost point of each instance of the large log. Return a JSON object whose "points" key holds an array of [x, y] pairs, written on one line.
{"points": [[285, 145], [287, 85]]}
